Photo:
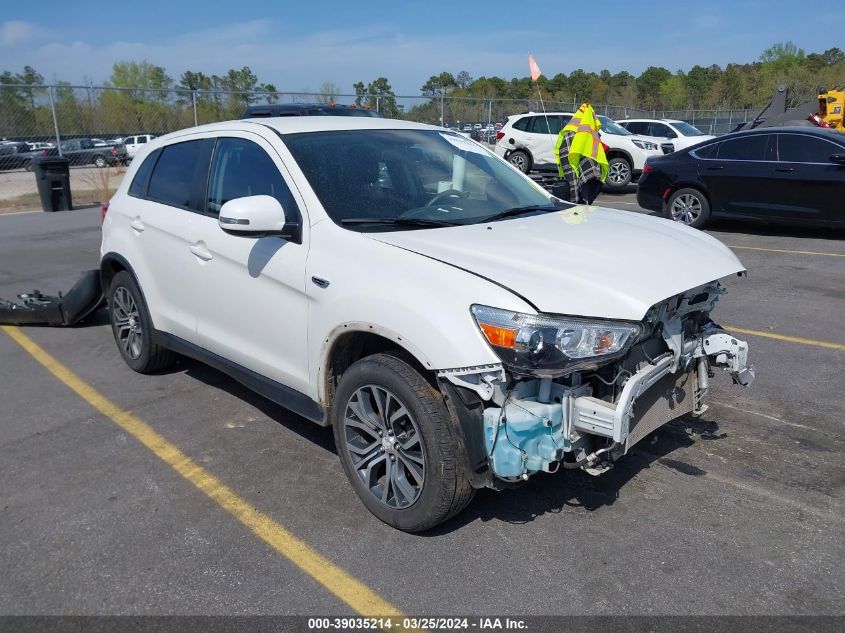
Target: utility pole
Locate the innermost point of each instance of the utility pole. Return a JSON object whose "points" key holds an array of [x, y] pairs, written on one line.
{"points": [[55, 121]]}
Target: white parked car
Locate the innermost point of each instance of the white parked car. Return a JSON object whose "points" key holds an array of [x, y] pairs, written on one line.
{"points": [[457, 325], [527, 141], [680, 134], [134, 143], [35, 146]]}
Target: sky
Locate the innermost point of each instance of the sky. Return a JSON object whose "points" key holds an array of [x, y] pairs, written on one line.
{"points": [[297, 46]]}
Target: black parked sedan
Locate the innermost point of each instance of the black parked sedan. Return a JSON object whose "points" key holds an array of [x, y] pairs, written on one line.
{"points": [[786, 174]]}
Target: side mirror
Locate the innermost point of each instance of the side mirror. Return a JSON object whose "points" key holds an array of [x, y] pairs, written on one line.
{"points": [[838, 159], [253, 216]]}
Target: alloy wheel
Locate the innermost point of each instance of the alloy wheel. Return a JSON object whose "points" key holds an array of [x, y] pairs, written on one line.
{"points": [[686, 208], [619, 173], [518, 161], [384, 445], [127, 322]]}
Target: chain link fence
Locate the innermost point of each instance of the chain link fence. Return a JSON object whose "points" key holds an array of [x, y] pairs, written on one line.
{"points": [[46, 116]]}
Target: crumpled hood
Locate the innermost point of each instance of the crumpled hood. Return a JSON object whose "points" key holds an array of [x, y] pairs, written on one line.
{"points": [[583, 261]]}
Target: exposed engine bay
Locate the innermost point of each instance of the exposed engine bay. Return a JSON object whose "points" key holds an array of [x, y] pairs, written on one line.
{"points": [[588, 418]]}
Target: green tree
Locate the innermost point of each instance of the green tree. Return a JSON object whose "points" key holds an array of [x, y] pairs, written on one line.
{"points": [[648, 86], [146, 81], [377, 95], [438, 84], [673, 94]]}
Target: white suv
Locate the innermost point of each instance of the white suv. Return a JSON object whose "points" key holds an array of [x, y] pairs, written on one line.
{"points": [[671, 134], [457, 325], [134, 143], [527, 141]]}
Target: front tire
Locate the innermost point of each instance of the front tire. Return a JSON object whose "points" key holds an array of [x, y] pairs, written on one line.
{"points": [[689, 206], [397, 445], [619, 173], [133, 328], [521, 160]]}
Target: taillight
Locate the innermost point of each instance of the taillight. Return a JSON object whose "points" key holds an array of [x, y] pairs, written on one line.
{"points": [[113, 151], [647, 168], [500, 136], [605, 147], [44, 153], [103, 210]]}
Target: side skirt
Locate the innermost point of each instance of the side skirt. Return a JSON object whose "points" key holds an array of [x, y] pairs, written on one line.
{"points": [[282, 395]]}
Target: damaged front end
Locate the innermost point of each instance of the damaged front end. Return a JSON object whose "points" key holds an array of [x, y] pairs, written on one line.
{"points": [[577, 393]]}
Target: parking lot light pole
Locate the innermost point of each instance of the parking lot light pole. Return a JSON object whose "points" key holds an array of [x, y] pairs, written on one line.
{"points": [[442, 105], [55, 120], [194, 102]]}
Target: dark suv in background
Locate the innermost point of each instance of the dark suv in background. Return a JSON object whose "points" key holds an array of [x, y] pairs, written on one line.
{"points": [[19, 155], [306, 109]]}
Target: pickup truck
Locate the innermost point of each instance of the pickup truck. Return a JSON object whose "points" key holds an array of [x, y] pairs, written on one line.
{"points": [[84, 151]]}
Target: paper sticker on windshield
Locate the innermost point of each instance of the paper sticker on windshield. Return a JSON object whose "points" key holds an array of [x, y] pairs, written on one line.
{"points": [[462, 143]]}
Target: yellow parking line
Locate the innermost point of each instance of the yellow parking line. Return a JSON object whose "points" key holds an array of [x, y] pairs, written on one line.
{"points": [[337, 581], [782, 250], [789, 339]]}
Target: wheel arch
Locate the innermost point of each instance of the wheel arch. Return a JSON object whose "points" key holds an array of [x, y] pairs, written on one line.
{"points": [[525, 151], [351, 342], [685, 184], [110, 265], [615, 152]]}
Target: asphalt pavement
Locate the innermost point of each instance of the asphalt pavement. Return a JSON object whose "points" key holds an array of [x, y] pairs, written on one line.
{"points": [[738, 512]]}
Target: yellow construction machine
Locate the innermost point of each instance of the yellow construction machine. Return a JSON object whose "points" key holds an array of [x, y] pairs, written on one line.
{"points": [[832, 108]]}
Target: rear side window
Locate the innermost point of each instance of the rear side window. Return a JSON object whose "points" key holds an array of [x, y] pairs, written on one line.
{"points": [[522, 124], [539, 125], [177, 173], [662, 130], [138, 188], [802, 148], [637, 127], [708, 151], [751, 147], [240, 168]]}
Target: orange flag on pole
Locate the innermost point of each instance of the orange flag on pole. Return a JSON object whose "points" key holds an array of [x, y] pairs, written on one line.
{"points": [[535, 69]]}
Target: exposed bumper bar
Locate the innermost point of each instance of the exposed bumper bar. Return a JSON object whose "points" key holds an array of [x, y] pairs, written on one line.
{"points": [[714, 346]]}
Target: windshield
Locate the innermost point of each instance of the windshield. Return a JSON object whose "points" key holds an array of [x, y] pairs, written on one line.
{"points": [[686, 129], [609, 126], [377, 180]]}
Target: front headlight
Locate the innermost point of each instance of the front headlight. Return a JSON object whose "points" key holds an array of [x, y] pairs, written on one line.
{"points": [[552, 345], [644, 144]]}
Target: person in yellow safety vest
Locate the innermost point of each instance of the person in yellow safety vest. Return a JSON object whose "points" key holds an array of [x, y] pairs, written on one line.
{"points": [[580, 156]]}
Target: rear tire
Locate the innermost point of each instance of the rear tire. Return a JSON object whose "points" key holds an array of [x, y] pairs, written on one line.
{"points": [[397, 444], [619, 173], [521, 160], [688, 206], [133, 328], [99, 161]]}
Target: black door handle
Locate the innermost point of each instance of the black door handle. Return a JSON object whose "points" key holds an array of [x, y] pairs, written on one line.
{"points": [[716, 168], [786, 169]]}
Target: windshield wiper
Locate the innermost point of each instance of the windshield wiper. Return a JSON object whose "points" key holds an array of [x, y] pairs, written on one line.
{"points": [[509, 213], [398, 221]]}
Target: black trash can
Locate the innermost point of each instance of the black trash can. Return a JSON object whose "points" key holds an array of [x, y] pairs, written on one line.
{"points": [[52, 173]]}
